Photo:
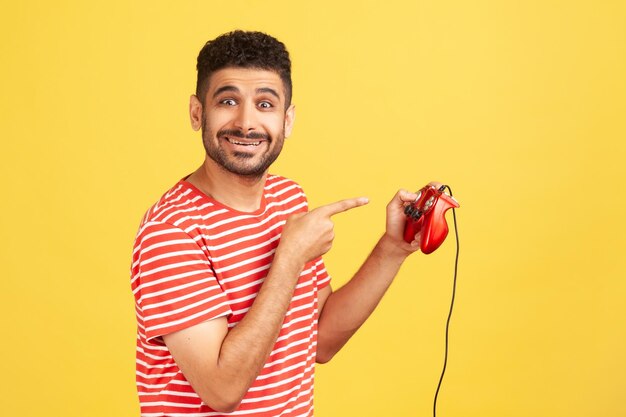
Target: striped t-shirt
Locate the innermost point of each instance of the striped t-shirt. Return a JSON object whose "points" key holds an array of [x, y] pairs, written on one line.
{"points": [[195, 259]]}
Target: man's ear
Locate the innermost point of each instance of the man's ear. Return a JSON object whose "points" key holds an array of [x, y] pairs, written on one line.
{"points": [[290, 118], [195, 112]]}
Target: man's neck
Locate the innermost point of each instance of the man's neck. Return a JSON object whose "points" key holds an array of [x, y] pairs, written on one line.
{"points": [[235, 191]]}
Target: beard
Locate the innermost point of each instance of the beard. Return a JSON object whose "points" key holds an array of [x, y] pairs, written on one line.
{"points": [[241, 163]]}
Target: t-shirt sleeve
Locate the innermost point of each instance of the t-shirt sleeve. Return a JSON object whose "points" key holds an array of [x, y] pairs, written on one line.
{"points": [[173, 282]]}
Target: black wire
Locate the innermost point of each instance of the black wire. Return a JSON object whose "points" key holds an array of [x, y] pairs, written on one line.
{"points": [[456, 264]]}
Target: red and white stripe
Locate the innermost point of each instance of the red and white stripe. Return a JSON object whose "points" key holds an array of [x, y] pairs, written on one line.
{"points": [[194, 260]]}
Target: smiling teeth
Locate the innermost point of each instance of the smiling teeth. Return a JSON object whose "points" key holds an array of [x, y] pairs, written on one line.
{"points": [[243, 143]]}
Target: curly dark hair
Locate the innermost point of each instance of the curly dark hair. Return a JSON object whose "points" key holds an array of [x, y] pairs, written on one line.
{"points": [[245, 50]]}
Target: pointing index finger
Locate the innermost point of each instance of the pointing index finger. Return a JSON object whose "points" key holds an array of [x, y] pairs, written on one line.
{"points": [[343, 205]]}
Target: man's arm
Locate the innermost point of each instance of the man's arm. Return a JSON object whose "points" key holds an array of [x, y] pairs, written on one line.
{"points": [[220, 364], [342, 312]]}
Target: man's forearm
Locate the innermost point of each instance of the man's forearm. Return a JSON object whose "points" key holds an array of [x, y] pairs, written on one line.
{"points": [[257, 331], [347, 309], [247, 346]]}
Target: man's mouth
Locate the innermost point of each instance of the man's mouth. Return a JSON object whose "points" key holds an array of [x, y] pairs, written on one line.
{"points": [[242, 143]]}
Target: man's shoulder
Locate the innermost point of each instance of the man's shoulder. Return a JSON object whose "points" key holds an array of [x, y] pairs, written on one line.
{"points": [[183, 202], [277, 182], [180, 201]]}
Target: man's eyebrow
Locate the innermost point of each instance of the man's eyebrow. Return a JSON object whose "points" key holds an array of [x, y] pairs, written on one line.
{"points": [[267, 90], [225, 88]]}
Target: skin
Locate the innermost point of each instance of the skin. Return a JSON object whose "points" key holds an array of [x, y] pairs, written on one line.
{"points": [[220, 364]]}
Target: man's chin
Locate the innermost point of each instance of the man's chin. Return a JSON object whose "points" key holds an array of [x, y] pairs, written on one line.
{"points": [[244, 155], [246, 170], [241, 162]]}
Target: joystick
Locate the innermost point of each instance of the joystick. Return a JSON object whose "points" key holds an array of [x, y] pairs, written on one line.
{"points": [[427, 214]]}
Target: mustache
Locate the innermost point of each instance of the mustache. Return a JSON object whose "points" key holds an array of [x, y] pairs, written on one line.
{"points": [[239, 134]]}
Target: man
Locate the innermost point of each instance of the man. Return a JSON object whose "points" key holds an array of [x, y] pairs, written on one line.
{"points": [[233, 301]]}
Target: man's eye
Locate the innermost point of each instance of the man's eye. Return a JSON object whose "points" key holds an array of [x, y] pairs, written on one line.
{"points": [[265, 105], [229, 102]]}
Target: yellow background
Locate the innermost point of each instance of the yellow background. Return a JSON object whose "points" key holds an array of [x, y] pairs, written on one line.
{"points": [[519, 105]]}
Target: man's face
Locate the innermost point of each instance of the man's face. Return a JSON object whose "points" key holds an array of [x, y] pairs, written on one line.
{"points": [[244, 121]]}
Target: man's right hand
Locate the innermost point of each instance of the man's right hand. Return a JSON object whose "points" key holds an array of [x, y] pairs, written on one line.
{"points": [[307, 236]]}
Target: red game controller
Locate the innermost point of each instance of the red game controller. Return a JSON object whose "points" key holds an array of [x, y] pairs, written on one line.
{"points": [[427, 214]]}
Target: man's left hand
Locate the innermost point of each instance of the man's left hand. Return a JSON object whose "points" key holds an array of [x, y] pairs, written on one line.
{"points": [[396, 220]]}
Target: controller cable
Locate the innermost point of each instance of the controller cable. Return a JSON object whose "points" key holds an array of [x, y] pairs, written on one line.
{"points": [[456, 264]]}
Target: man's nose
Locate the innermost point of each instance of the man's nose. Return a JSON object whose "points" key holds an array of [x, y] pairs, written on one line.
{"points": [[244, 119]]}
